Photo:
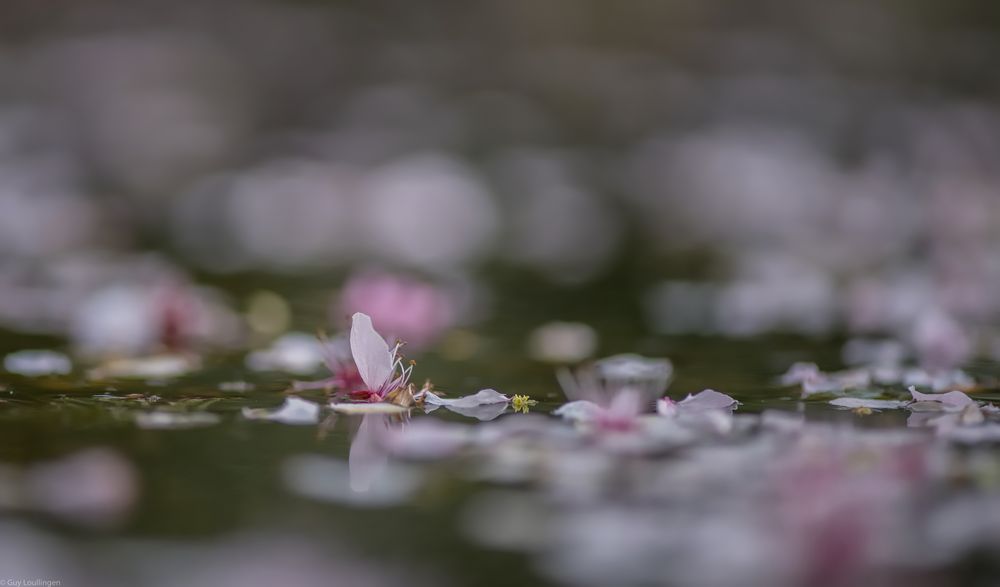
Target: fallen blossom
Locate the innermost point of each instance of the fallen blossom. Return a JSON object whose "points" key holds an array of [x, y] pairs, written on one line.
{"points": [[351, 408], [875, 404], [708, 399], [620, 413], [155, 367], [486, 404], [294, 411], [379, 367], [952, 399], [296, 352], [485, 396], [162, 419], [32, 363]]}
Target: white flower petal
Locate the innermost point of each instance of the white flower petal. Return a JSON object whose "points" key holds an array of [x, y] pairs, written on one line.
{"points": [[875, 404], [666, 407], [706, 400], [32, 363], [578, 411], [367, 408], [294, 411], [954, 399], [484, 397], [371, 353], [159, 419]]}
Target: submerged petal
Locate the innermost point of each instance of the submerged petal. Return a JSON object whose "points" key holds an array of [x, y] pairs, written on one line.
{"points": [[371, 353]]}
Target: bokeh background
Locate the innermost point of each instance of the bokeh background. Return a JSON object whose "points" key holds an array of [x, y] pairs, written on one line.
{"points": [[768, 166]]}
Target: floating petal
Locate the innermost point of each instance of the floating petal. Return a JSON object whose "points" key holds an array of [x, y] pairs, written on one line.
{"points": [[875, 404], [37, 363], [953, 399], [293, 411], [706, 400], [368, 408]]}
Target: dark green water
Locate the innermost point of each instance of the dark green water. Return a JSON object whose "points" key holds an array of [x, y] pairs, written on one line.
{"points": [[209, 482]]}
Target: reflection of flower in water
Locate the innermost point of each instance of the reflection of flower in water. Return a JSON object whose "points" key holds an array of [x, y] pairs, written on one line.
{"points": [[368, 479], [368, 457]]}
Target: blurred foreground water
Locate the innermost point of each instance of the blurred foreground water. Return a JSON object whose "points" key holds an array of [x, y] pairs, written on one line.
{"points": [[182, 469]]}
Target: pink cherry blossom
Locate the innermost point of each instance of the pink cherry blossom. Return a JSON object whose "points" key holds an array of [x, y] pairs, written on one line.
{"points": [[402, 306]]}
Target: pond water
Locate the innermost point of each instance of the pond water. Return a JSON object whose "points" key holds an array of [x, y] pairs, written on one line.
{"points": [[178, 480]]}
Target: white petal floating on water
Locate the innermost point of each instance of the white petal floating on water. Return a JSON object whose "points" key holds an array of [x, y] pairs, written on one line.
{"points": [[952, 399], [485, 405], [486, 396], [578, 411], [368, 408], [296, 352], [294, 411], [875, 404], [156, 367], [161, 419], [32, 363], [706, 400]]}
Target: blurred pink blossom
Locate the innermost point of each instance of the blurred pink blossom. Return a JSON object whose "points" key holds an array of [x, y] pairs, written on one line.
{"points": [[401, 306]]}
